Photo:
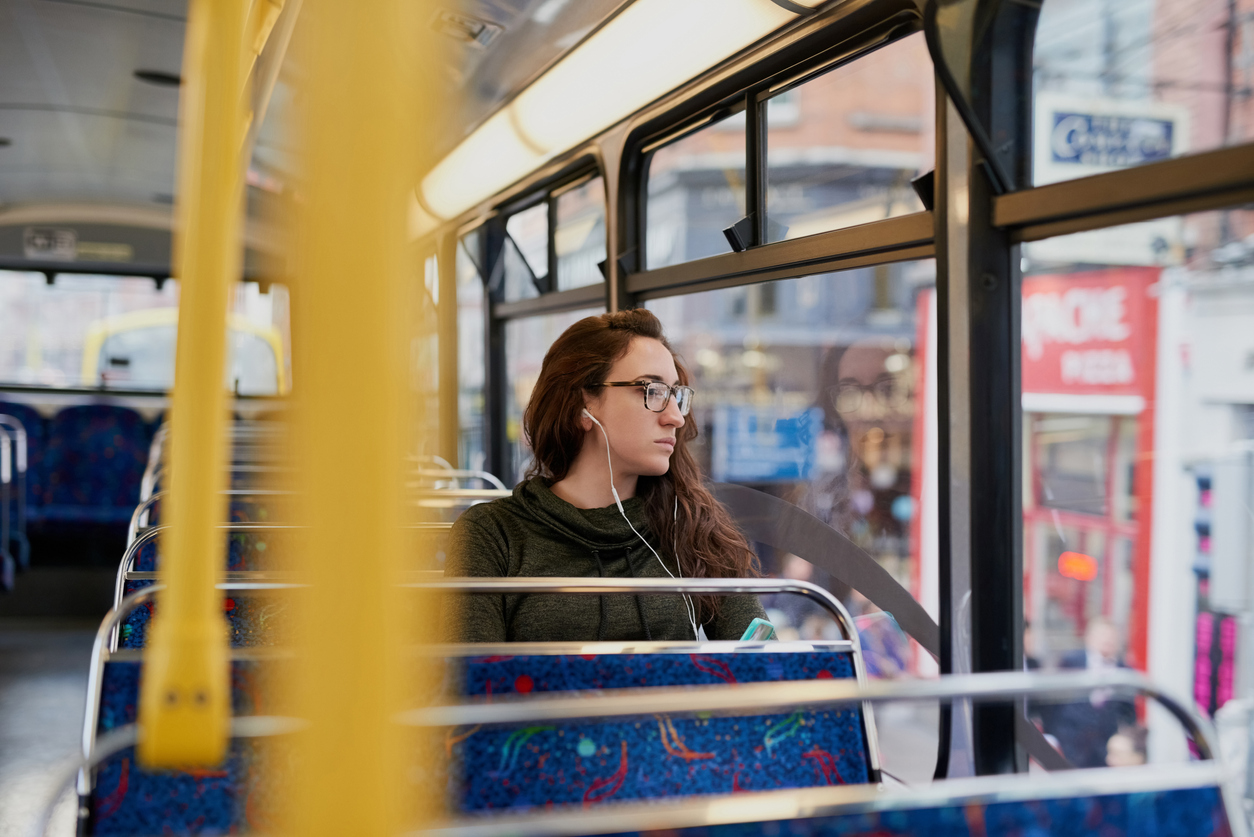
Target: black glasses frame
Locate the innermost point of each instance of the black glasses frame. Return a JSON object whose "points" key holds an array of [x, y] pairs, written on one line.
{"points": [[685, 405]]}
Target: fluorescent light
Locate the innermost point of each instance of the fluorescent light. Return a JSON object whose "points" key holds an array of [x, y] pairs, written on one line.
{"points": [[648, 49], [492, 157]]}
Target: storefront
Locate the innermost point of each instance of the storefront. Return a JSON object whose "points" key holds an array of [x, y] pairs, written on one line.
{"points": [[1088, 437]]}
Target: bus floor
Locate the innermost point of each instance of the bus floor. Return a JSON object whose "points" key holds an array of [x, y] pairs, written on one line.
{"points": [[43, 686]]}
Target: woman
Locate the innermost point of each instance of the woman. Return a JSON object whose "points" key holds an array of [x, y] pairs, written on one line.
{"points": [[614, 493]]}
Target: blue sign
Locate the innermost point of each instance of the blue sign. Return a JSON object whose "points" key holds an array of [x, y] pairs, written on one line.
{"points": [[758, 444], [1109, 141]]}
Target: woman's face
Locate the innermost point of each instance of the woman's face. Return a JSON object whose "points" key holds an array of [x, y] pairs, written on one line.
{"points": [[641, 441]]}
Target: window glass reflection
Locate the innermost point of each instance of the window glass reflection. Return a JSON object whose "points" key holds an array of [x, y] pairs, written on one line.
{"points": [[842, 148], [696, 190], [526, 252], [808, 389], [119, 332], [1122, 84], [470, 354], [579, 235], [526, 342], [1137, 380]]}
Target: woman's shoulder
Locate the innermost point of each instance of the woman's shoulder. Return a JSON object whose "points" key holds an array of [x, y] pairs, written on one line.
{"points": [[490, 515]]}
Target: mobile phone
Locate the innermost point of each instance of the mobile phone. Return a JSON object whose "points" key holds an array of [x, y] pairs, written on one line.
{"points": [[759, 630]]}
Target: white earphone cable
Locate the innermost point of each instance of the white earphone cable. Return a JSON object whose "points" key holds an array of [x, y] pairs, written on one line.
{"points": [[688, 605]]}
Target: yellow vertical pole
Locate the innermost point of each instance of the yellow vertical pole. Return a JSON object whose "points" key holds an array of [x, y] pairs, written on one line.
{"points": [[359, 106], [185, 698]]}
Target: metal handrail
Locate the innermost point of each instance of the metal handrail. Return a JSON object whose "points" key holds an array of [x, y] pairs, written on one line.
{"points": [[6, 480], [20, 445], [460, 493], [677, 815], [759, 697], [127, 735], [139, 516], [461, 474], [104, 645], [754, 698], [104, 641], [154, 532]]}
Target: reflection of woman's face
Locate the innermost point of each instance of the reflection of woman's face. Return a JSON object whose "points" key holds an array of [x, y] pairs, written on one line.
{"points": [[862, 368]]}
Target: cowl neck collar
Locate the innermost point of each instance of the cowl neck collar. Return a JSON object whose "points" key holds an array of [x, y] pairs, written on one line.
{"points": [[595, 528]]}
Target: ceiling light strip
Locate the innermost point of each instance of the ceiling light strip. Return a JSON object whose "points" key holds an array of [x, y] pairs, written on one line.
{"points": [[648, 49]]}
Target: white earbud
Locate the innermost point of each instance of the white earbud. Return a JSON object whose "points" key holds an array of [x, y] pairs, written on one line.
{"points": [[688, 605], [613, 489]]}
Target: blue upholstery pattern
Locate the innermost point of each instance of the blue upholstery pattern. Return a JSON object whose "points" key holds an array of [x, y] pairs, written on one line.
{"points": [[94, 462], [1164, 813], [128, 800], [584, 763], [241, 509], [36, 442], [253, 619], [235, 797], [260, 549]]}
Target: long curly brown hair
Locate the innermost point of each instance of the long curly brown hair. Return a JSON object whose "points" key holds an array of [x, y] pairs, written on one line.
{"points": [[707, 542]]}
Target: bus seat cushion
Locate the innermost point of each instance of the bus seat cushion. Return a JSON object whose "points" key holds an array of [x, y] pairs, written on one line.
{"points": [[1160, 813], [585, 763], [253, 620], [656, 756], [245, 551], [95, 459], [36, 441], [576, 672]]}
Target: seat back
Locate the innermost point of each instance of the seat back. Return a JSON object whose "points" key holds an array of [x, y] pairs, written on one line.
{"points": [[241, 508], [126, 799], [249, 548], [1188, 799], [254, 618], [36, 442], [94, 463], [654, 756]]}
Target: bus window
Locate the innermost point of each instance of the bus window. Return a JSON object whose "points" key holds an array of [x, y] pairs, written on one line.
{"points": [[43, 327], [136, 351], [842, 148], [696, 189], [579, 235]]}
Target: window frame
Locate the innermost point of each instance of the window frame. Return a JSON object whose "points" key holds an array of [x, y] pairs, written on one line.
{"points": [[903, 238]]}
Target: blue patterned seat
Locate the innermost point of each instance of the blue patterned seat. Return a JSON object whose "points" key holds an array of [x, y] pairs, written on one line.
{"points": [[36, 442], [1166, 812], [129, 800], [663, 756], [253, 619], [94, 462], [615, 764], [245, 508], [649, 757], [248, 550]]}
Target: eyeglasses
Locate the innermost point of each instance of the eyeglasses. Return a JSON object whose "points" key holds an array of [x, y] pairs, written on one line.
{"points": [[848, 396], [657, 394]]}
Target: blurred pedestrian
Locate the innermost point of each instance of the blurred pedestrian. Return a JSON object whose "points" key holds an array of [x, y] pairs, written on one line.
{"points": [[1083, 728]]}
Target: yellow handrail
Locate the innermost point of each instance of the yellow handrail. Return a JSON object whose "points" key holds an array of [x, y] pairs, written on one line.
{"points": [[353, 266], [185, 696]]}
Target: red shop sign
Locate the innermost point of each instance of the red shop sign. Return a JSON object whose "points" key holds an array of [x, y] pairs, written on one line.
{"points": [[1090, 333]]}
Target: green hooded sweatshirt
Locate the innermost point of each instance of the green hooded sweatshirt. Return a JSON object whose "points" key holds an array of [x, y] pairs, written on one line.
{"points": [[536, 533]]}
